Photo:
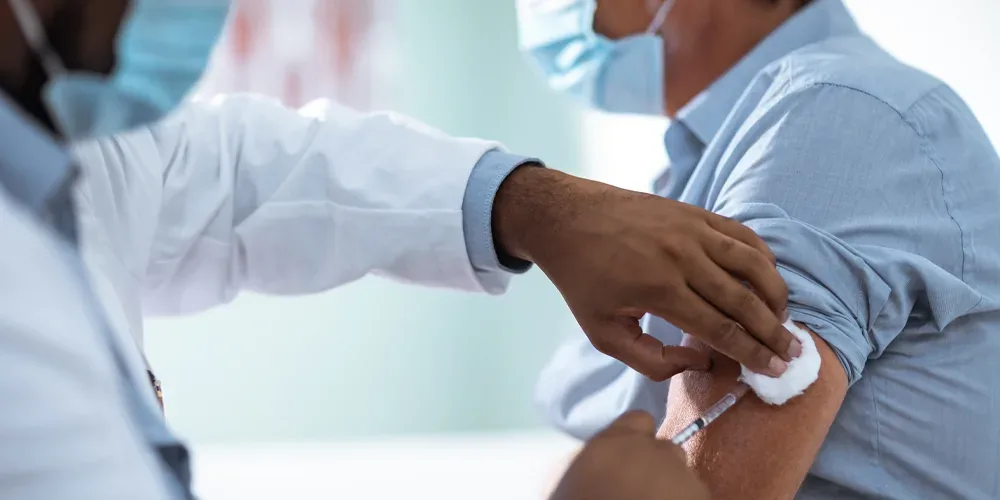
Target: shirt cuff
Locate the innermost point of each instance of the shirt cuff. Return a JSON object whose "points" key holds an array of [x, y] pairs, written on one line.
{"points": [[489, 264]]}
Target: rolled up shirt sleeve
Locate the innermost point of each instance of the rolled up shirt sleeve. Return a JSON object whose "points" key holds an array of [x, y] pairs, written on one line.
{"points": [[833, 288], [491, 266], [842, 188]]}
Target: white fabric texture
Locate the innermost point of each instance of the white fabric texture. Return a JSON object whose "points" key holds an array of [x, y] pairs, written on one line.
{"points": [[241, 193], [801, 373]]}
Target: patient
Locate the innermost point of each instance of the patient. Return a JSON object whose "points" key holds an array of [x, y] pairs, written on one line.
{"points": [[879, 193]]}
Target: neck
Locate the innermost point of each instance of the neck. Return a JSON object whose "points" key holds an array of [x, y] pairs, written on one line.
{"points": [[697, 60]]}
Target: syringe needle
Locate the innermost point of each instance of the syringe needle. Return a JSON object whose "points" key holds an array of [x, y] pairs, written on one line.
{"points": [[713, 413]]}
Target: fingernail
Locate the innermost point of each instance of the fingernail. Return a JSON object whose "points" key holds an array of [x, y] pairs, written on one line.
{"points": [[776, 367], [795, 349], [784, 316]]}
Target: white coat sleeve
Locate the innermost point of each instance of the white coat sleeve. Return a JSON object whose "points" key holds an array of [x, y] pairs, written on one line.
{"points": [[256, 196]]}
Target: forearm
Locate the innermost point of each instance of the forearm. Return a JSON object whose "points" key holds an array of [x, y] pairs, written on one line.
{"points": [[523, 210], [492, 266], [537, 208]]}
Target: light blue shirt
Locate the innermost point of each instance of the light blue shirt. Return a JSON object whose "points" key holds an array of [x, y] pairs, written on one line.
{"points": [[477, 217], [879, 193]]}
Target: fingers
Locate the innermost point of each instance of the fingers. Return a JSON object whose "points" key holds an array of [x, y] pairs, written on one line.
{"points": [[751, 265], [740, 303], [766, 280], [625, 341], [704, 321], [634, 421], [676, 451], [734, 229]]}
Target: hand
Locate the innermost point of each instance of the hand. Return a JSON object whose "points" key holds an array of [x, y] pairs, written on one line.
{"points": [[626, 461], [616, 255]]}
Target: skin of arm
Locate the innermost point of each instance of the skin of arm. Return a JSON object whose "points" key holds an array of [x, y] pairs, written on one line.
{"points": [[755, 450]]}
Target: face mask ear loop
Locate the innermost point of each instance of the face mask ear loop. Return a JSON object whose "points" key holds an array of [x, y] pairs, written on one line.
{"points": [[660, 17], [34, 34]]}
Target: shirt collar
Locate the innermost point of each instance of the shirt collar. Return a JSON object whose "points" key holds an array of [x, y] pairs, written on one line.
{"points": [[34, 168], [684, 150], [818, 21]]}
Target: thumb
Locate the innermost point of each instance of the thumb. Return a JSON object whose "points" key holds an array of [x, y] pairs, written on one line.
{"points": [[634, 422], [624, 340]]}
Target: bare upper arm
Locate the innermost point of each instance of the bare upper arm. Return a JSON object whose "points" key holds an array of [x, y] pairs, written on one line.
{"points": [[755, 450]]}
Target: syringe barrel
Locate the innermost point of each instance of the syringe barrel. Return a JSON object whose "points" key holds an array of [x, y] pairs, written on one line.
{"points": [[725, 403], [711, 414]]}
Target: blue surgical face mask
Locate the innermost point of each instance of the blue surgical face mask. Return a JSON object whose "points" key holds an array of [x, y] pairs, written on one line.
{"points": [[162, 50], [623, 76]]}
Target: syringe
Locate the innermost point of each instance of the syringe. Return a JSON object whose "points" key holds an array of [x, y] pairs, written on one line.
{"points": [[713, 413]]}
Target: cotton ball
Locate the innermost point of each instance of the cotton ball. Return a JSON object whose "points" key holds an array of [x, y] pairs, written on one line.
{"points": [[801, 373]]}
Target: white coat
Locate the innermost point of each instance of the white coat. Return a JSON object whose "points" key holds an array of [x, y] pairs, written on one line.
{"points": [[241, 193]]}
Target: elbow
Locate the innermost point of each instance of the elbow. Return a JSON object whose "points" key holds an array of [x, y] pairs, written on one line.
{"points": [[580, 391], [555, 404]]}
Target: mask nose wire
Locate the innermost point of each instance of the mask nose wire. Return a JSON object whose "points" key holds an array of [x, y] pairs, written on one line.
{"points": [[34, 34]]}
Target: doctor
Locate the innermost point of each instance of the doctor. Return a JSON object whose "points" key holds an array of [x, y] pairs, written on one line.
{"points": [[80, 419]]}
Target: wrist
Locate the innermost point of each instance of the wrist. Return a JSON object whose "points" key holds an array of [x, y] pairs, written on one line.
{"points": [[535, 208]]}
